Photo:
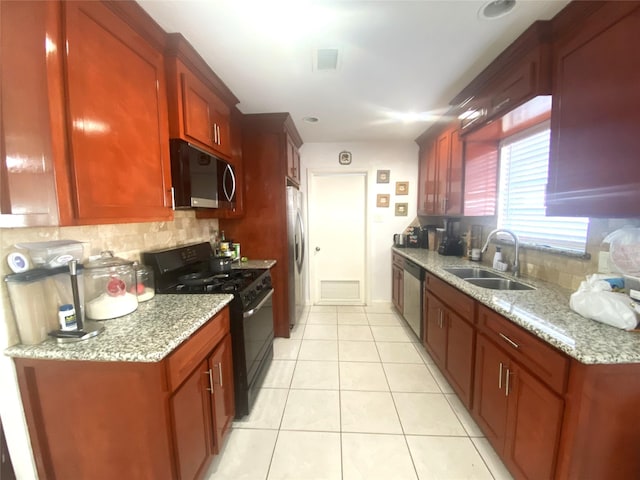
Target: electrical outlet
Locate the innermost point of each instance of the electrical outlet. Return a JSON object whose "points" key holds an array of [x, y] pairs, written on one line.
{"points": [[603, 262]]}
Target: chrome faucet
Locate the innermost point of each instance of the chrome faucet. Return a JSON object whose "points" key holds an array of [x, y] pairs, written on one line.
{"points": [[516, 262]]}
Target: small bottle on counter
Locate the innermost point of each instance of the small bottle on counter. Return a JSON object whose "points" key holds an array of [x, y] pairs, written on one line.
{"points": [[67, 317]]}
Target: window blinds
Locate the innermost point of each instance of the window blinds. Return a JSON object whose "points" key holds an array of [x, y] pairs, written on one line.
{"points": [[524, 160]]}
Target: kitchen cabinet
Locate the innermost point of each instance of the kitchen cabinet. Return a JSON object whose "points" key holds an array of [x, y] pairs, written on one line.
{"points": [[450, 335], [28, 145], [593, 167], [117, 114], [440, 173], [203, 112], [262, 230], [521, 416], [86, 119], [397, 282], [199, 103], [522, 71], [98, 419], [518, 395]]}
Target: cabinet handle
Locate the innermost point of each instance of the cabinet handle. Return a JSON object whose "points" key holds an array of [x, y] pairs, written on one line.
{"points": [[500, 378], [506, 386], [220, 373], [213, 134], [440, 322], [210, 389], [218, 134], [173, 198], [508, 340]]}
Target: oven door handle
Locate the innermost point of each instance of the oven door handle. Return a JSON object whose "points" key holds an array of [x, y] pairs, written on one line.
{"points": [[251, 312]]}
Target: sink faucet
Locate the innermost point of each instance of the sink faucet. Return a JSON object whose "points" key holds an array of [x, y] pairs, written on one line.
{"points": [[516, 262]]}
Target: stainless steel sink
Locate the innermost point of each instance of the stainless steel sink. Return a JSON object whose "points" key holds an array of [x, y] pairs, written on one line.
{"points": [[472, 272], [498, 283]]}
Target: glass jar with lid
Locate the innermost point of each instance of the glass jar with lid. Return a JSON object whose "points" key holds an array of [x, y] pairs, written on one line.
{"points": [[110, 287], [145, 285]]}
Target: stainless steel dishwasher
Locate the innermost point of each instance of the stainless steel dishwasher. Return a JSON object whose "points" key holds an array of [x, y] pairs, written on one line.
{"points": [[413, 278]]}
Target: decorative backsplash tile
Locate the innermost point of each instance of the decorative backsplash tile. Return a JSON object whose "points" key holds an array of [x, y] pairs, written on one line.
{"points": [[125, 240]]}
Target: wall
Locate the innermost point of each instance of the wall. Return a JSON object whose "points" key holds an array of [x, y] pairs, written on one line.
{"points": [[127, 241], [400, 159]]}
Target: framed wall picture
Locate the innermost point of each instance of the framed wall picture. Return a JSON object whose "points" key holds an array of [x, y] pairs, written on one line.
{"points": [[382, 200], [402, 209], [383, 176], [402, 188]]}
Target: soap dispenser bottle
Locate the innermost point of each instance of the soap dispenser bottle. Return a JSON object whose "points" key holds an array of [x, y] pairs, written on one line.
{"points": [[497, 257]]}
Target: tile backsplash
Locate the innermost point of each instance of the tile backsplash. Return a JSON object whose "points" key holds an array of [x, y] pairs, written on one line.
{"points": [[125, 240]]}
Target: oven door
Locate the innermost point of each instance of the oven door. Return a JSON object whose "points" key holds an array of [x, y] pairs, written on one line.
{"points": [[258, 337]]}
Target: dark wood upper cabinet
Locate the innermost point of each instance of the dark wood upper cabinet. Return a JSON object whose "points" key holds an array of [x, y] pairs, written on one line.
{"points": [[594, 169], [440, 172], [117, 118], [83, 92], [200, 104], [522, 71]]}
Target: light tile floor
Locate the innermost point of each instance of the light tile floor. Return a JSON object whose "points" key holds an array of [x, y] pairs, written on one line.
{"points": [[353, 395]]}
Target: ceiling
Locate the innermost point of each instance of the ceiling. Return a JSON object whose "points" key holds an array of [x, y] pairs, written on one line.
{"points": [[396, 58]]}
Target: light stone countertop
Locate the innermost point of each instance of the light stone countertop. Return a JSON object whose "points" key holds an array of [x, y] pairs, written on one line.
{"points": [[544, 312], [149, 334]]}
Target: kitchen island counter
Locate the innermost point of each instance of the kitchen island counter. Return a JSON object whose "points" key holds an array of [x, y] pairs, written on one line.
{"points": [[148, 334], [544, 312]]}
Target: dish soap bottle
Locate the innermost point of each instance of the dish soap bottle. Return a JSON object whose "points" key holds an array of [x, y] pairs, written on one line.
{"points": [[497, 257]]}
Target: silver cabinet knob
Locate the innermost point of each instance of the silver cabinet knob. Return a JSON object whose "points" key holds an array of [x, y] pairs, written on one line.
{"points": [[317, 249]]}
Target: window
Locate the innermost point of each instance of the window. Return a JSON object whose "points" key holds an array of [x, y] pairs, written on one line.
{"points": [[524, 160]]}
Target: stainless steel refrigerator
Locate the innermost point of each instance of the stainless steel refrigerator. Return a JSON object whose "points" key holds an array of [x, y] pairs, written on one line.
{"points": [[296, 244]]}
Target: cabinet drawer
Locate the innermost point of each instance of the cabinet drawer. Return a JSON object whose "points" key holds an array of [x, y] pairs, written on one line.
{"points": [[544, 361], [398, 260], [196, 348], [454, 299]]}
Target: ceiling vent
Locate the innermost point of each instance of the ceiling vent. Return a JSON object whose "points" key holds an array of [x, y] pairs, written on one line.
{"points": [[325, 59]]}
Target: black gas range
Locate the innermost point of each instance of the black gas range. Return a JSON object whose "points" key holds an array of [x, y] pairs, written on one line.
{"points": [[186, 270]]}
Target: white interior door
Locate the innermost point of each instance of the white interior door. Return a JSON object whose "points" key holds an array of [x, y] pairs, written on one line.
{"points": [[337, 238]]}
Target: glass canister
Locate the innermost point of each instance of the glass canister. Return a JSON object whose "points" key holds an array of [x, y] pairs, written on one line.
{"points": [[109, 287], [145, 286]]}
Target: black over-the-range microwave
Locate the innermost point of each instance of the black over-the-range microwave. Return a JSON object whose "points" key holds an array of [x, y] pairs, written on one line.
{"points": [[200, 180]]}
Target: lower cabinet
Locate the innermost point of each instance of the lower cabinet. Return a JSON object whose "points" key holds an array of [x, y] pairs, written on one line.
{"points": [[450, 335], [521, 416], [151, 420]]}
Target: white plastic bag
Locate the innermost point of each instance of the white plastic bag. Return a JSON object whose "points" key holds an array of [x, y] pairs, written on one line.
{"points": [[595, 300]]}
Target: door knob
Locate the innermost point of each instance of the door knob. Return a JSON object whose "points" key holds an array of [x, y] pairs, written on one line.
{"points": [[317, 249]]}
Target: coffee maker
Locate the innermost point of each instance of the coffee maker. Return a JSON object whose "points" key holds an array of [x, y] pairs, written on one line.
{"points": [[451, 244]]}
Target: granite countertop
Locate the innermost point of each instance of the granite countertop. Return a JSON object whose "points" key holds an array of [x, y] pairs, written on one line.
{"points": [[149, 334], [544, 312]]}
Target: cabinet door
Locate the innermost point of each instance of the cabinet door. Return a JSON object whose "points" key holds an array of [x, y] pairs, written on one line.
{"points": [[454, 174], [593, 166], [460, 343], [490, 395], [442, 164], [118, 125], [535, 418], [436, 334], [191, 417], [206, 118], [224, 408], [27, 180]]}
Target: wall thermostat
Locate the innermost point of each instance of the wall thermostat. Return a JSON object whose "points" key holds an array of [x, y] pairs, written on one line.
{"points": [[344, 158]]}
